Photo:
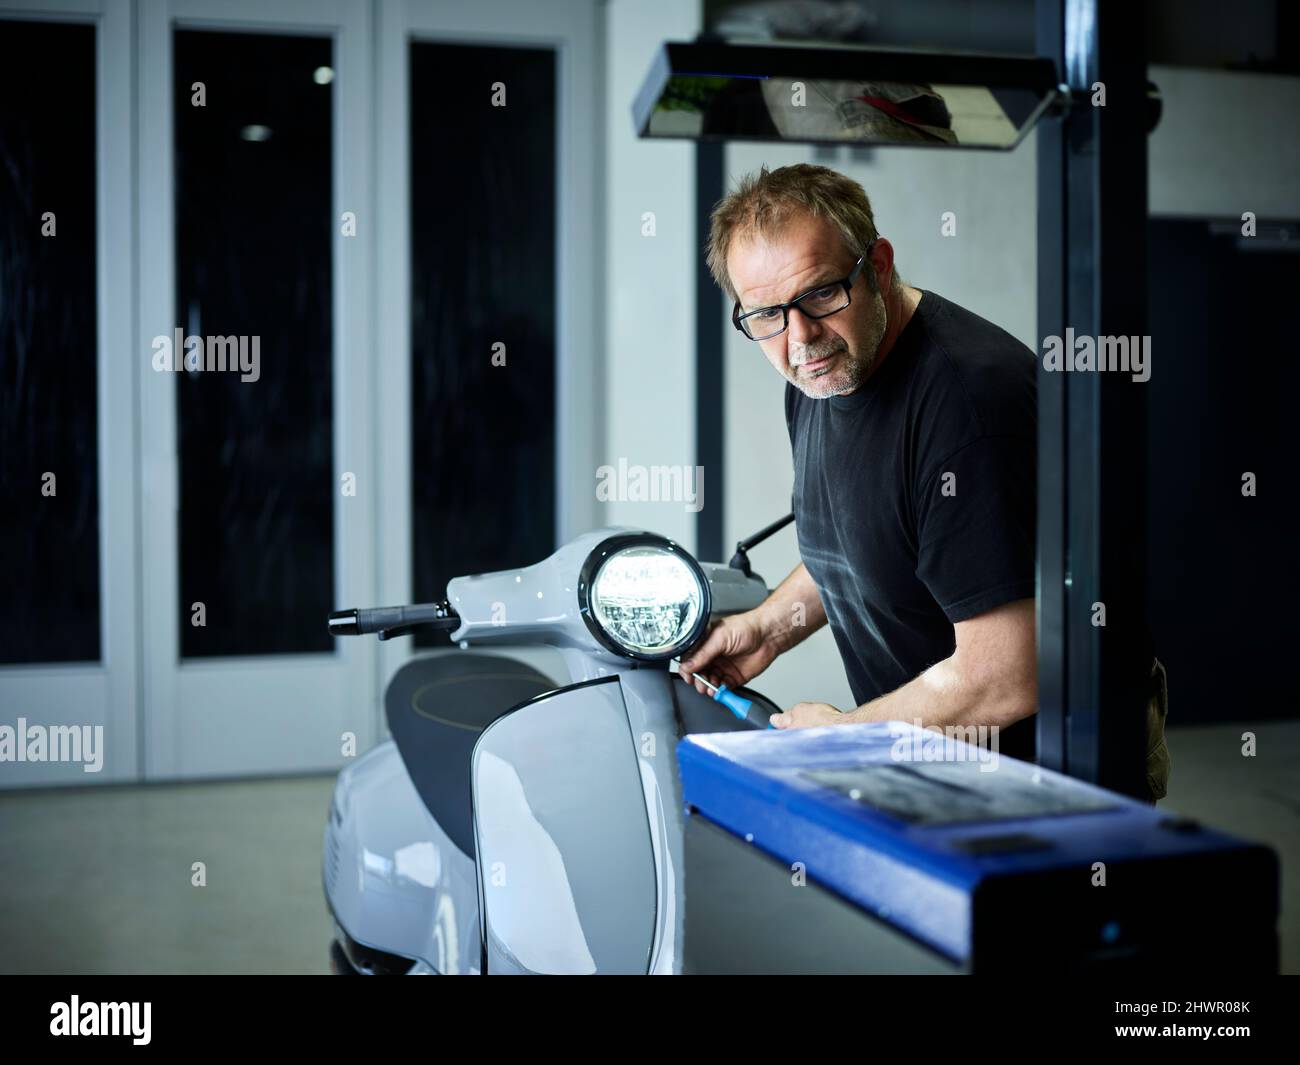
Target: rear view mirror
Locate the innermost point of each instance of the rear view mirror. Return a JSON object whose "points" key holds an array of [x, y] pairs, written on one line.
{"points": [[842, 95]]}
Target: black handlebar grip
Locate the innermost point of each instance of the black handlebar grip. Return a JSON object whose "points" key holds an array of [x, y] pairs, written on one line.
{"points": [[344, 623], [356, 622], [395, 620]]}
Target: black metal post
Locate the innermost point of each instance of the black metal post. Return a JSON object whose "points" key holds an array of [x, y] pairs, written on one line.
{"points": [[1094, 650], [709, 318], [1052, 424]]}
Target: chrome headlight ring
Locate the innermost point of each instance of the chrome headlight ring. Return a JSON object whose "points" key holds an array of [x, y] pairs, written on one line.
{"points": [[688, 594]]}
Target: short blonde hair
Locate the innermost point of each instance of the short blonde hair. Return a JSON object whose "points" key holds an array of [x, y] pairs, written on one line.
{"points": [[763, 204]]}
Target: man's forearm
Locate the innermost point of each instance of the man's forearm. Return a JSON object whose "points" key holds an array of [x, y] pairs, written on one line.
{"points": [[954, 692], [991, 678], [793, 611], [947, 694]]}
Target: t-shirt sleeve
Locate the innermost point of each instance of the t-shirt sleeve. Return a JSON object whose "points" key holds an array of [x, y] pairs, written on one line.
{"points": [[975, 520]]}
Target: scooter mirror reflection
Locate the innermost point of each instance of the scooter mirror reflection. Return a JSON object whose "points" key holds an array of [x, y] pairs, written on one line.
{"points": [[812, 93]]}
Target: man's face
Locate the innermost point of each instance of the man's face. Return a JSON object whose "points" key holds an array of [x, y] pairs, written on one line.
{"points": [[821, 357]]}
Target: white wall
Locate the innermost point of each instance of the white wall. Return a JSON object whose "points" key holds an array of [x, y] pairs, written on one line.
{"points": [[988, 266], [650, 280]]}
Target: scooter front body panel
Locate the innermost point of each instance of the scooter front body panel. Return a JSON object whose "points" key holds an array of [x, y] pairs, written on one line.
{"points": [[566, 865], [393, 880], [579, 826]]}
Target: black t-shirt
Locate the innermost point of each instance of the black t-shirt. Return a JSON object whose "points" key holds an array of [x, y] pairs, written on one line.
{"points": [[914, 497]]}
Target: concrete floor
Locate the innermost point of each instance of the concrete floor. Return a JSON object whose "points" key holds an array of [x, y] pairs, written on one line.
{"points": [[97, 880]]}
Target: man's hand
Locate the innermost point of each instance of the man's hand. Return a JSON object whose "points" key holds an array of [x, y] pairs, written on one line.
{"points": [[736, 650], [808, 715]]}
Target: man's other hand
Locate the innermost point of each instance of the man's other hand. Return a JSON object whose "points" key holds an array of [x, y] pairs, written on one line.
{"points": [[808, 715]]}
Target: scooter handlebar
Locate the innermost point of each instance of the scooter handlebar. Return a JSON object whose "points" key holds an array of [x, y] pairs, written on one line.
{"points": [[389, 621]]}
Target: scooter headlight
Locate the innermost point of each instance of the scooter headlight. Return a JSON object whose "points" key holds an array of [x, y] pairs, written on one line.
{"points": [[644, 597]]}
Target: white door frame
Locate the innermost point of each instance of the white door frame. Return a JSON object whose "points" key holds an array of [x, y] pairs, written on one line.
{"points": [[102, 693], [257, 714], [575, 30]]}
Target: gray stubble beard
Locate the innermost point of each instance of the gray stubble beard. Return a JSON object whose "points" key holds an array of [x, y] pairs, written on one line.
{"points": [[857, 370]]}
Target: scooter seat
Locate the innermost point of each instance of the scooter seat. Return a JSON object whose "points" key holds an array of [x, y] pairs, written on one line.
{"points": [[436, 707]]}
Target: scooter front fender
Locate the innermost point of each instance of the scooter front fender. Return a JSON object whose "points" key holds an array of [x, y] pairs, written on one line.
{"points": [[394, 881]]}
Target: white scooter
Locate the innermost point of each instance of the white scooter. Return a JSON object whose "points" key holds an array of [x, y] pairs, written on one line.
{"points": [[517, 825]]}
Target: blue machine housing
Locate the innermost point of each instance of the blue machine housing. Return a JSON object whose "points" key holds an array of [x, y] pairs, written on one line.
{"points": [[983, 859]]}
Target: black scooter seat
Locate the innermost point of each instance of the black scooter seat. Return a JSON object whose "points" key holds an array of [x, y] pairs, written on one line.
{"points": [[437, 706]]}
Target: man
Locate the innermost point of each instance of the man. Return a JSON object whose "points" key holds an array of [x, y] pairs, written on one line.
{"points": [[912, 425]]}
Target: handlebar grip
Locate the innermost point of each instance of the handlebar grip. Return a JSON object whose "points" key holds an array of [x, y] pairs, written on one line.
{"points": [[345, 623], [363, 622], [357, 622]]}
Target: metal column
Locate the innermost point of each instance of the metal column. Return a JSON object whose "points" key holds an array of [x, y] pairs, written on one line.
{"points": [[1092, 184]]}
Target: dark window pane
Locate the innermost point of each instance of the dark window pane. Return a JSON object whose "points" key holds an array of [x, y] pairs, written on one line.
{"points": [[49, 543], [254, 226], [1223, 319], [482, 274]]}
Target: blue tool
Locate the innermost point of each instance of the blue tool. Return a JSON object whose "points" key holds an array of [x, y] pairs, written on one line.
{"points": [[733, 702]]}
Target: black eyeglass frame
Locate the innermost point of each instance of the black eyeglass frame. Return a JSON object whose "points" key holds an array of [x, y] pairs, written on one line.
{"points": [[846, 282]]}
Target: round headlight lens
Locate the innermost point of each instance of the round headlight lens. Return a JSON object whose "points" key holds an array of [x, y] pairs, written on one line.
{"points": [[647, 599]]}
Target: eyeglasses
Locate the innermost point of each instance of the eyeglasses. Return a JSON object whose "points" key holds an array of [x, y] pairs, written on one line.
{"points": [[820, 302]]}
